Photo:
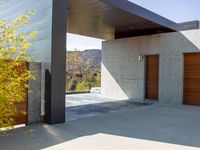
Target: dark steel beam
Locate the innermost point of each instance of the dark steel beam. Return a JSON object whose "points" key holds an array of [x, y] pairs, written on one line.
{"points": [[55, 78], [143, 13], [126, 34], [106, 18], [191, 25]]}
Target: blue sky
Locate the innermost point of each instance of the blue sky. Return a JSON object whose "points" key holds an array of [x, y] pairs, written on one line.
{"points": [[175, 10], [82, 42]]}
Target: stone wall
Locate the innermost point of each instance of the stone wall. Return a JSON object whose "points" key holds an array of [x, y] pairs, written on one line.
{"points": [[34, 95], [123, 76]]}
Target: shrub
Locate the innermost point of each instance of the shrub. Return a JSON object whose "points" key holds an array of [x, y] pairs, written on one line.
{"points": [[82, 85], [14, 46]]}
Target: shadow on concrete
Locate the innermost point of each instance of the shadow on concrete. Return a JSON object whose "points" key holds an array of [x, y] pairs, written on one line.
{"points": [[96, 109], [162, 123]]}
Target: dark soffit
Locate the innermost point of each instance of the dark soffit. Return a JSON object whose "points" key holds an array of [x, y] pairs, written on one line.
{"points": [[109, 19]]}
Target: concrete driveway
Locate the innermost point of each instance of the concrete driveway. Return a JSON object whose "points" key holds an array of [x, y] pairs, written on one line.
{"points": [[89, 105], [153, 127], [73, 100]]}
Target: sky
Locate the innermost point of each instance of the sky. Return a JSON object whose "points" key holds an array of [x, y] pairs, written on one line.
{"points": [[175, 10], [82, 42]]}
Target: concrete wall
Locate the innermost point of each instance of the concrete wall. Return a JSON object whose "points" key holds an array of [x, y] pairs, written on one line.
{"points": [[40, 22], [123, 76], [34, 94]]}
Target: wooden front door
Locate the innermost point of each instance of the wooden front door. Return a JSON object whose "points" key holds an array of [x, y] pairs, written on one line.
{"points": [[191, 91], [152, 76]]}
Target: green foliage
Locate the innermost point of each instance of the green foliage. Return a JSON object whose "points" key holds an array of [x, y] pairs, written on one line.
{"points": [[80, 74], [14, 46], [82, 85]]}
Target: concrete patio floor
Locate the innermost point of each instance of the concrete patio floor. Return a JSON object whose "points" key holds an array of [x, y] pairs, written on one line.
{"points": [[86, 99], [155, 127], [89, 105]]}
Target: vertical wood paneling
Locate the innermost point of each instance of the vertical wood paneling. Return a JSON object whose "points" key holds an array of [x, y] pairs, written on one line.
{"points": [[191, 94], [152, 76]]}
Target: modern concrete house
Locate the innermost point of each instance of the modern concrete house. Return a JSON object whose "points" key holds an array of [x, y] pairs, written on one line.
{"points": [[145, 56]]}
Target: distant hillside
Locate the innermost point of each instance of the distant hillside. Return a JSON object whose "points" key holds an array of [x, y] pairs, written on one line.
{"points": [[83, 70], [94, 55]]}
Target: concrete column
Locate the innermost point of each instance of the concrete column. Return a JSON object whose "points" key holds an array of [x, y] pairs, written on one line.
{"points": [[55, 76], [34, 95]]}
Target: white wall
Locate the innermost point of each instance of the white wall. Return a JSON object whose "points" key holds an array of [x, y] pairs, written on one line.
{"points": [[123, 76]]}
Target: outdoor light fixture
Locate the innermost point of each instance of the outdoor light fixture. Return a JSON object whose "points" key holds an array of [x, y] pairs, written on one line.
{"points": [[140, 57]]}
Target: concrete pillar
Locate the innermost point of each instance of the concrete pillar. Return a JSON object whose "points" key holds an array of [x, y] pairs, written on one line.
{"points": [[34, 95]]}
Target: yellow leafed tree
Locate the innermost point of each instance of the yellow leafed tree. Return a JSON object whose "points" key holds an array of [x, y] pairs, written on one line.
{"points": [[14, 47]]}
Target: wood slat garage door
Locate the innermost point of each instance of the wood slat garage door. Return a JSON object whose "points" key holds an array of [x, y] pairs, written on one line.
{"points": [[152, 75], [191, 94]]}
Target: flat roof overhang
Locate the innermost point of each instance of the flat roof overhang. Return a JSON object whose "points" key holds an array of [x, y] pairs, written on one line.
{"points": [[110, 19]]}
